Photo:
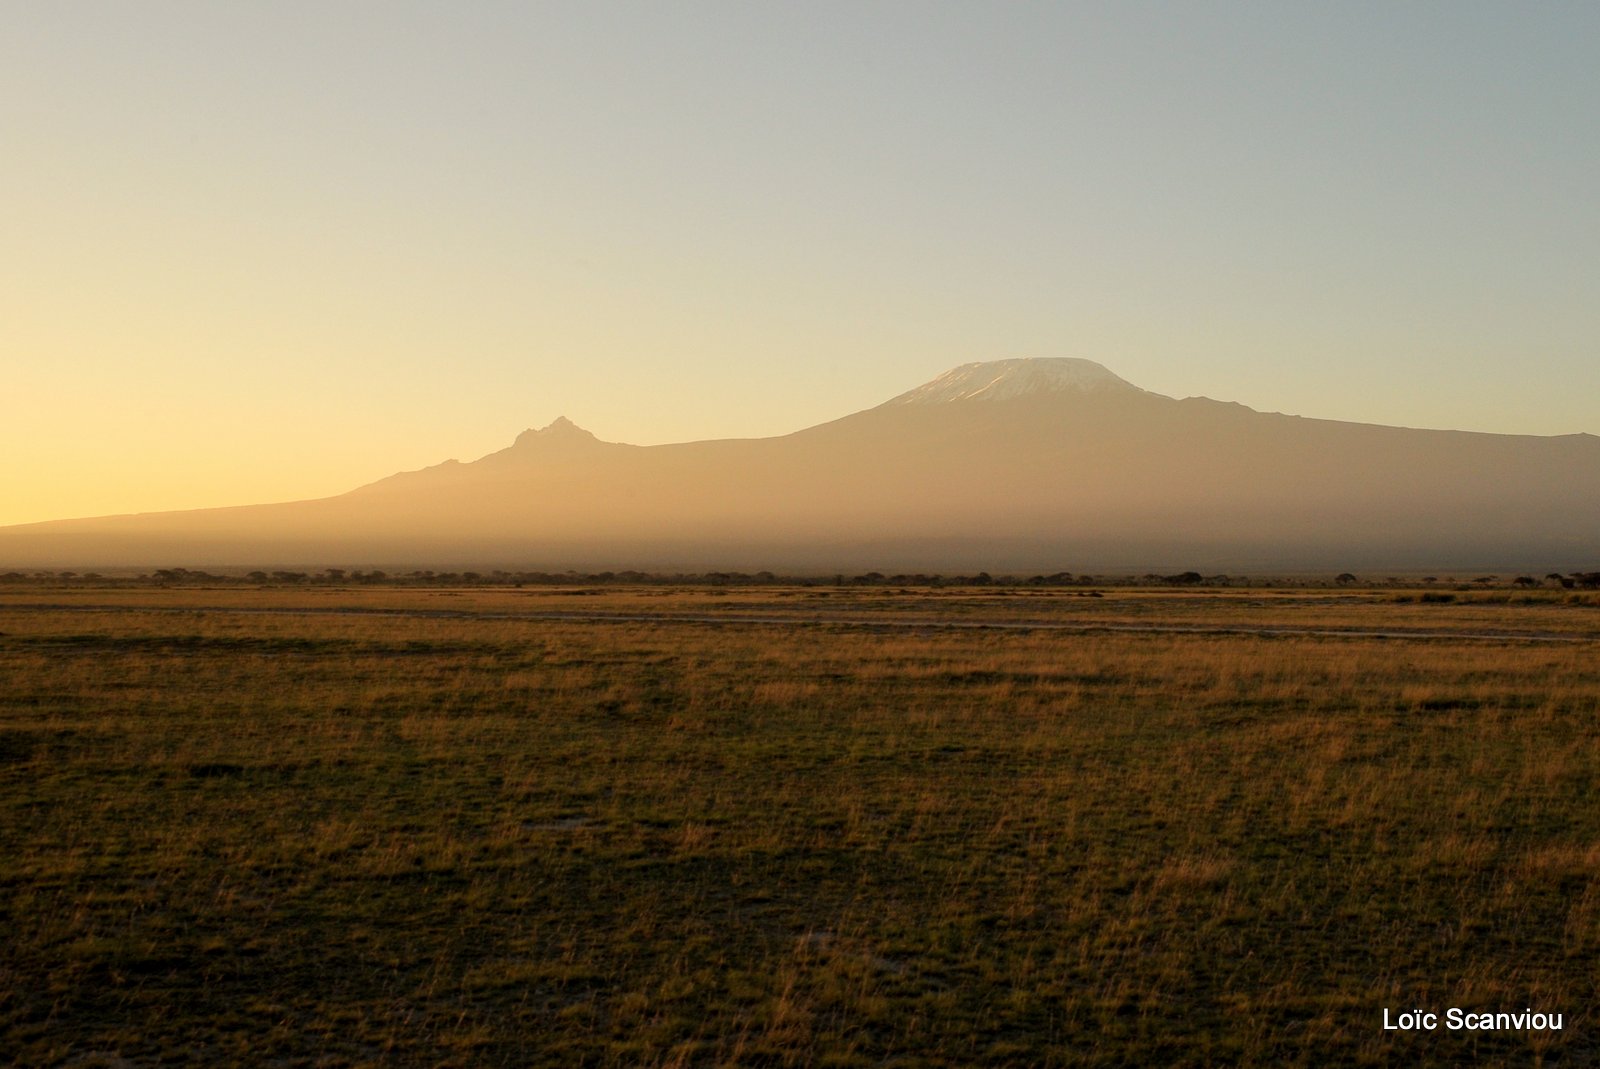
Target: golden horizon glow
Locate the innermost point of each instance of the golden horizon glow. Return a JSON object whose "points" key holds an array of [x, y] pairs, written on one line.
{"points": [[259, 253]]}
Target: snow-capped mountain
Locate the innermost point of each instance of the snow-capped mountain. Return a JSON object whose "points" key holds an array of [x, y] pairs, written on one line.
{"points": [[1047, 464], [1002, 380]]}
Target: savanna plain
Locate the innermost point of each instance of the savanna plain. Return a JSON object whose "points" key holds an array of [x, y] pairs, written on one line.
{"points": [[686, 826]]}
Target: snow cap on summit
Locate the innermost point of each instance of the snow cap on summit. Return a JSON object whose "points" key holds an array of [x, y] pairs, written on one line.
{"points": [[1000, 380]]}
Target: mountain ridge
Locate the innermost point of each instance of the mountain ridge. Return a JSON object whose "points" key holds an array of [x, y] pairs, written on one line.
{"points": [[1016, 464]]}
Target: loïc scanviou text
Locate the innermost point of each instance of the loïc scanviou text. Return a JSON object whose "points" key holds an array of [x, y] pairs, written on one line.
{"points": [[1459, 1020]]}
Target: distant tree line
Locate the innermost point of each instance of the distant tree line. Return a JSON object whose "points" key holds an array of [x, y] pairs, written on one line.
{"points": [[341, 577]]}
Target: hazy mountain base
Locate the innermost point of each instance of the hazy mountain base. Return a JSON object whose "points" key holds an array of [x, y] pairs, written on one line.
{"points": [[1105, 479], [947, 556]]}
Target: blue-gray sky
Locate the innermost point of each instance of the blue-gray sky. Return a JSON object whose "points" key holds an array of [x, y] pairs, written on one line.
{"points": [[263, 251]]}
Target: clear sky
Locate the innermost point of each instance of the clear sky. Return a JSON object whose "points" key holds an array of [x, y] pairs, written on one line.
{"points": [[254, 252]]}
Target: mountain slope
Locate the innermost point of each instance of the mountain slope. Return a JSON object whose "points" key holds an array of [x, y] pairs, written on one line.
{"points": [[1043, 464]]}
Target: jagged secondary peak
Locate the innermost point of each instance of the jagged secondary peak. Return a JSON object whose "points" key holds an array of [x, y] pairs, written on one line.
{"points": [[999, 380], [562, 430]]}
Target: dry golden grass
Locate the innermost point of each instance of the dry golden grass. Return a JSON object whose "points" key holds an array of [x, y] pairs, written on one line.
{"points": [[502, 839]]}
